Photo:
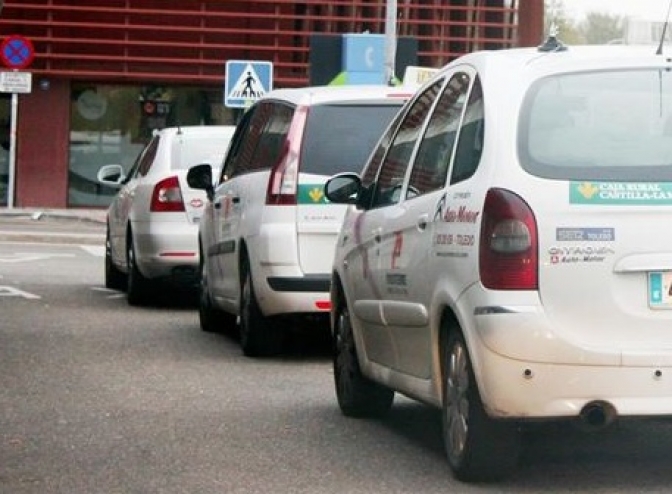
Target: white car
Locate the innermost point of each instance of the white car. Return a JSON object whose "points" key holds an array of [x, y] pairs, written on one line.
{"points": [[506, 256], [152, 222], [267, 237]]}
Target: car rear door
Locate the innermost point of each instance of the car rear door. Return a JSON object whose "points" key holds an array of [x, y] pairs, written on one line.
{"points": [[601, 191], [238, 202], [338, 137]]}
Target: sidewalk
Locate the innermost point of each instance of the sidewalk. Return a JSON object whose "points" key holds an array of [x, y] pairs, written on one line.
{"points": [[69, 226]]}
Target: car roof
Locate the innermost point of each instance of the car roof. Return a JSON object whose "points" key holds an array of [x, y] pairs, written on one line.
{"points": [[199, 130], [313, 95], [536, 62]]}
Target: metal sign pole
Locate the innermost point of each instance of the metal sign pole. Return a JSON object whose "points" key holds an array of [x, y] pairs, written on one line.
{"points": [[390, 40], [12, 150]]}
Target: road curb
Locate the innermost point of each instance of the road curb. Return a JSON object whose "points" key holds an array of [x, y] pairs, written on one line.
{"points": [[53, 238]]}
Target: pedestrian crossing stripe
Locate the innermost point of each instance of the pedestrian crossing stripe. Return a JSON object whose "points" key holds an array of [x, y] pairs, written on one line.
{"points": [[246, 82]]}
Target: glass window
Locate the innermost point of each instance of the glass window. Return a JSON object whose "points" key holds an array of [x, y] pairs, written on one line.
{"points": [[239, 159], [112, 124], [607, 125], [370, 172], [430, 168], [273, 137], [5, 124], [471, 137], [391, 177], [147, 157], [340, 137]]}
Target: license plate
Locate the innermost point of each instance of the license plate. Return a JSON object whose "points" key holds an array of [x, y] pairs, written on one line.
{"points": [[660, 290]]}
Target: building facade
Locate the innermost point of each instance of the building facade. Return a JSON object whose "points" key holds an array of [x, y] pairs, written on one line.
{"points": [[106, 73]]}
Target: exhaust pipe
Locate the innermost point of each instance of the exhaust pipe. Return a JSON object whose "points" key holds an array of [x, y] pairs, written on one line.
{"points": [[597, 415]]}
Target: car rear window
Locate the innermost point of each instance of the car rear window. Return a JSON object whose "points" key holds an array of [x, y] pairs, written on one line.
{"points": [[340, 137], [606, 125]]}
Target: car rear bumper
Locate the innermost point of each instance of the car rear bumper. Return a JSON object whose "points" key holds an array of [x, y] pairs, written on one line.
{"points": [[528, 390], [167, 250], [526, 369], [279, 292]]}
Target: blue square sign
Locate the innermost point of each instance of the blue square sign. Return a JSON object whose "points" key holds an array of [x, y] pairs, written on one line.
{"points": [[246, 81]]}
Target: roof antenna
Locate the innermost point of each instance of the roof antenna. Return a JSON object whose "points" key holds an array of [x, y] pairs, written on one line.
{"points": [[552, 43], [659, 51]]}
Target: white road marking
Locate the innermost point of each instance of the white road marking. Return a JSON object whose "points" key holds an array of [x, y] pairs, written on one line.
{"points": [[8, 291], [94, 250], [29, 256], [113, 294]]}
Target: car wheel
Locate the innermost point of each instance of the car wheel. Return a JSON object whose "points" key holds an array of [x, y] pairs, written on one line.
{"points": [[478, 447], [137, 286], [211, 318], [357, 395], [257, 337], [114, 278]]}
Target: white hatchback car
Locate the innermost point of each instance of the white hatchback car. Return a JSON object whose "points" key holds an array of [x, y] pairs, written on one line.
{"points": [[506, 256], [267, 237], [152, 222]]}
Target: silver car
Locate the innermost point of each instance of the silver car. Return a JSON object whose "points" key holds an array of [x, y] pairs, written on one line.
{"points": [[152, 223]]}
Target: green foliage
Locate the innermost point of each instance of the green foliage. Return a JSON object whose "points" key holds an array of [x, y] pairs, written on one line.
{"points": [[596, 28]]}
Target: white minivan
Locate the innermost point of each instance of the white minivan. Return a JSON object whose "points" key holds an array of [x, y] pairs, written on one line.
{"points": [[267, 235], [506, 255]]}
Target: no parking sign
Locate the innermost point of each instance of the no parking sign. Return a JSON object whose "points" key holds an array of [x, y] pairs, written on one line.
{"points": [[17, 52]]}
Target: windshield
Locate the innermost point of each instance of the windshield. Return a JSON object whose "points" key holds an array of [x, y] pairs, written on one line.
{"points": [[339, 138], [614, 125]]}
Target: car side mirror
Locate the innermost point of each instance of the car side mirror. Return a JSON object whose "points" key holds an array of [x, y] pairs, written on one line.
{"points": [[112, 175], [343, 188], [200, 177]]}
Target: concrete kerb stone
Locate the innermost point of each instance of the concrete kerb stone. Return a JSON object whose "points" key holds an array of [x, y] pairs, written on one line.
{"points": [[71, 226]]}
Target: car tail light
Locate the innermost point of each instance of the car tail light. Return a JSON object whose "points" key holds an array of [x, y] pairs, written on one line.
{"points": [[167, 196], [508, 252], [284, 180]]}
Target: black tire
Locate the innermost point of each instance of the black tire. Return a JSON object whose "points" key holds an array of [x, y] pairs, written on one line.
{"points": [[258, 338], [115, 279], [212, 319], [357, 395], [478, 448], [138, 288]]}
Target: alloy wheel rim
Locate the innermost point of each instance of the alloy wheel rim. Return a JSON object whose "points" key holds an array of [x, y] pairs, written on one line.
{"points": [[457, 410], [344, 356]]}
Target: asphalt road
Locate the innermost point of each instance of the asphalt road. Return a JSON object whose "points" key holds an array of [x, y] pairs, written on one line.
{"points": [[100, 397]]}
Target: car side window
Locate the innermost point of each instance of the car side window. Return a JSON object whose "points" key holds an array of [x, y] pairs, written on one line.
{"points": [[430, 168], [272, 138], [391, 177], [471, 138], [147, 158], [372, 168], [245, 141]]}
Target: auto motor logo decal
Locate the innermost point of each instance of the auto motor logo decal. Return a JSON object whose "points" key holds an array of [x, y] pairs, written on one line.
{"points": [[620, 193], [196, 203], [573, 254]]}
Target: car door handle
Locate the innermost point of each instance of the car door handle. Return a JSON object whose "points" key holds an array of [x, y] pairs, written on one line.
{"points": [[377, 234], [423, 220]]}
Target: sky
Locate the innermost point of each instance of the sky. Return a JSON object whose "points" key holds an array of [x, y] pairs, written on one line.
{"points": [[645, 9]]}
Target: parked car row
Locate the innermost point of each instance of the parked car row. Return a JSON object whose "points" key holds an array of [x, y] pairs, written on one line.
{"points": [[496, 247]]}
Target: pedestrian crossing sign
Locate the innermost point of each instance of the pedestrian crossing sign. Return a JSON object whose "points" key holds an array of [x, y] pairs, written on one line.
{"points": [[246, 81]]}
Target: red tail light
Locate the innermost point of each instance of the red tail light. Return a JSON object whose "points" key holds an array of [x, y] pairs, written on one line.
{"points": [[167, 196], [284, 180], [508, 253]]}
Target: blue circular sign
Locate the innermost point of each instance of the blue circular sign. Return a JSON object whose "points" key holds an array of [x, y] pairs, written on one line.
{"points": [[17, 52]]}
